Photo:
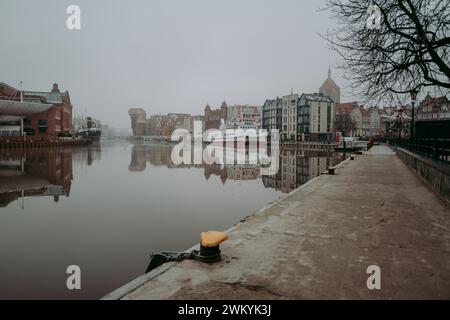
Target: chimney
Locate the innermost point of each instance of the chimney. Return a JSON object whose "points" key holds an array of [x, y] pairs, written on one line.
{"points": [[55, 88]]}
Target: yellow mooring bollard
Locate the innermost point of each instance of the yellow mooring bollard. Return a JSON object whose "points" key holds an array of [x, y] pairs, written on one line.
{"points": [[209, 246]]}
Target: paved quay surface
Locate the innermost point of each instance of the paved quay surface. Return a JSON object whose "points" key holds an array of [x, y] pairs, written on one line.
{"points": [[317, 242]]}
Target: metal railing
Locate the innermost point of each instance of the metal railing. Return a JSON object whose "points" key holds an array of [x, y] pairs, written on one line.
{"points": [[437, 149]]}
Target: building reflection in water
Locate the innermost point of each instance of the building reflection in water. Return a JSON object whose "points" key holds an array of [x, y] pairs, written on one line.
{"points": [[35, 173], [87, 155], [296, 166]]}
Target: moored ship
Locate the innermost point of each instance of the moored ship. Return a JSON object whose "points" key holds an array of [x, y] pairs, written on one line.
{"points": [[91, 130]]}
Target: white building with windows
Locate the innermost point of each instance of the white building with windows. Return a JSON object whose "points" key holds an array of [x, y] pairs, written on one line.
{"points": [[316, 114], [289, 117]]}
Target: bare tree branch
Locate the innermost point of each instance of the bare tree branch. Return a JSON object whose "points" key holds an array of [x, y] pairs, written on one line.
{"points": [[409, 50]]}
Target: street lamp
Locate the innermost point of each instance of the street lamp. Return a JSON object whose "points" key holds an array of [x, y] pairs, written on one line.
{"points": [[399, 123], [413, 93]]}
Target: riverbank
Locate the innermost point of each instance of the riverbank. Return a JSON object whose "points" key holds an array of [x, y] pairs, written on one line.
{"points": [[318, 241], [29, 144]]}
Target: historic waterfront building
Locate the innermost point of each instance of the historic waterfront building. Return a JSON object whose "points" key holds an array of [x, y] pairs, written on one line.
{"points": [[315, 117], [41, 114], [361, 119], [344, 123], [138, 118], [374, 122], [289, 118], [214, 119], [281, 114], [331, 89], [159, 125], [433, 118], [244, 117], [272, 114], [433, 108]]}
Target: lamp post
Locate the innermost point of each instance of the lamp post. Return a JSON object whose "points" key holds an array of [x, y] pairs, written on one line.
{"points": [[413, 93], [399, 123]]}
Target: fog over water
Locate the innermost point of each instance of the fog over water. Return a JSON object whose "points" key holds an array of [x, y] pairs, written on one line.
{"points": [[166, 55]]}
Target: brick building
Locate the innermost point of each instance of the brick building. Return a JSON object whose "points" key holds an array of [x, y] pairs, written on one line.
{"points": [[138, 118], [244, 117], [40, 114], [433, 108], [215, 118]]}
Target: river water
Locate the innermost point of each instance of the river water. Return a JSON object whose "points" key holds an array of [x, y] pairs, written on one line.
{"points": [[106, 208]]}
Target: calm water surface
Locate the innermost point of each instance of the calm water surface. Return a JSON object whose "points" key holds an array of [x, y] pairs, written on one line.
{"points": [[106, 208]]}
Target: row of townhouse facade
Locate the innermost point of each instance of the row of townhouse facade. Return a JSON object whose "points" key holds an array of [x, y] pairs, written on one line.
{"points": [[305, 117], [161, 125], [355, 120], [232, 117]]}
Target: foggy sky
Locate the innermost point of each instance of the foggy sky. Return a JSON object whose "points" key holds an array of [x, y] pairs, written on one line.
{"points": [[166, 55]]}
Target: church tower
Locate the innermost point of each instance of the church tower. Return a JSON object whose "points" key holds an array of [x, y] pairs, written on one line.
{"points": [[331, 89]]}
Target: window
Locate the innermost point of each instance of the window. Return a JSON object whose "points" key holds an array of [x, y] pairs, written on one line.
{"points": [[42, 124], [29, 131]]}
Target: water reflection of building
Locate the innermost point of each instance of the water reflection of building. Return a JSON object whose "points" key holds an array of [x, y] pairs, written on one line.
{"points": [[160, 155], [243, 172], [297, 168], [232, 172], [88, 155], [157, 155], [35, 173], [216, 170]]}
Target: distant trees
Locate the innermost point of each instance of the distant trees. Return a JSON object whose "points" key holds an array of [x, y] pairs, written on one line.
{"points": [[408, 49], [344, 123]]}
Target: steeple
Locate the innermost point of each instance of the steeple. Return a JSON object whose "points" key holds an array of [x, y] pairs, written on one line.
{"points": [[224, 105], [330, 88]]}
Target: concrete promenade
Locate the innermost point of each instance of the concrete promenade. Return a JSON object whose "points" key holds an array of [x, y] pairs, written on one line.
{"points": [[317, 242]]}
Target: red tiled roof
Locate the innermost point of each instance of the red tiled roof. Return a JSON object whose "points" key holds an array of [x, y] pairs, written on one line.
{"points": [[346, 106]]}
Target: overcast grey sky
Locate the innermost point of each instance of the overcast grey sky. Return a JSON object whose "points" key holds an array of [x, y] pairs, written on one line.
{"points": [[165, 55]]}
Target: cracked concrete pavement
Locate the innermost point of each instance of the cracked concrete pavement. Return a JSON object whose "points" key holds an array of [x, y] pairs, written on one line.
{"points": [[317, 243]]}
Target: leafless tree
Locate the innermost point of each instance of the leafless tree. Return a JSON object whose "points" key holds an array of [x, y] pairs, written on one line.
{"points": [[344, 123], [409, 49]]}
